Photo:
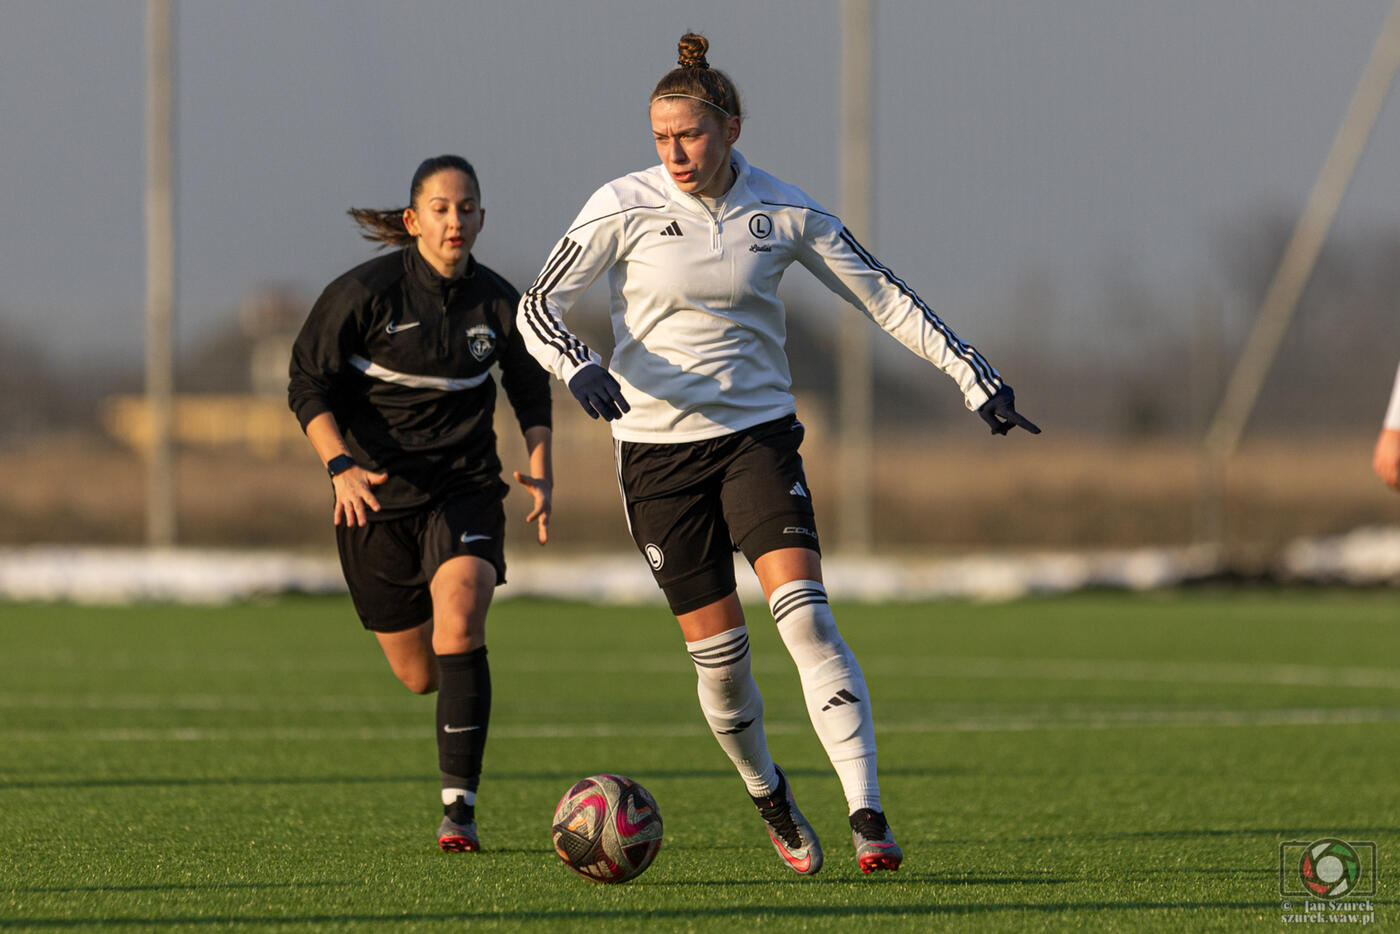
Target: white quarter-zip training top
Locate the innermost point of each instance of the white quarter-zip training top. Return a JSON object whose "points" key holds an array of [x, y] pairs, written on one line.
{"points": [[698, 326]]}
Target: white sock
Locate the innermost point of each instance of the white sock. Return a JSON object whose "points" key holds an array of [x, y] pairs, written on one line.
{"points": [[732, 706], [452, 794], [833, 686]]}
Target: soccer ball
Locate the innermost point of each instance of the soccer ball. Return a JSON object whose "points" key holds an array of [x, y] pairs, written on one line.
{"points": [[607, 828]]}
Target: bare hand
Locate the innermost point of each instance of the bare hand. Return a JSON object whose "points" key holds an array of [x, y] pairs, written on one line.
{"points": [[540, 489], [1386, 460], [353, 495]]}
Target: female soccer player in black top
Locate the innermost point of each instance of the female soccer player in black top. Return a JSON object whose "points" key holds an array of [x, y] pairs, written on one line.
{"points": [[390, 380]]}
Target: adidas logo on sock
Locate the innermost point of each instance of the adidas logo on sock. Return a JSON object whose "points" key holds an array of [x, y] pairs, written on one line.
{"points": [[798, 490], [673, 229], [739, 727], [841, 699]]}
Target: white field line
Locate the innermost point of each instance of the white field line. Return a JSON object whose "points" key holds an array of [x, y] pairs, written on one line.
{"points": [[1023, 670], [1103, 670], [1039, 669], [1049, 719], [1069, 669], [329, 703]]}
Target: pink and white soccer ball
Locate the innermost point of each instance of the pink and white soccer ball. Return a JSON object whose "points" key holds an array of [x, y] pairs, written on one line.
{"points": [[607, 828]]}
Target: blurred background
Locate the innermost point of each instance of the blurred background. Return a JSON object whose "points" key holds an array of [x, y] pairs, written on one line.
{"points": [[1095, 194]]}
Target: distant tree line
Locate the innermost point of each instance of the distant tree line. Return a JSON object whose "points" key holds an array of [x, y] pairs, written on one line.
{"points": [[1139, 363]]}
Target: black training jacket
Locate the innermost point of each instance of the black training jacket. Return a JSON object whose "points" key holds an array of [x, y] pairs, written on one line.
{"points": [[401, 357]]}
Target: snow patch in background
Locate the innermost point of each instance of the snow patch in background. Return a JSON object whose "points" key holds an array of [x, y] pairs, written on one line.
{"points": [[177, 575], [126, 575], [1369, 556], [1366, 556]]}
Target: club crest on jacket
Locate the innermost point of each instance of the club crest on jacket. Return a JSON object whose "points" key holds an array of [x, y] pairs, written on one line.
{"points": [[482, 341]]}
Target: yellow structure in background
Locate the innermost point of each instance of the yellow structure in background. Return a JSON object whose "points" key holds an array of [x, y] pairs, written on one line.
{"points": [[258, 420], [261, 424]]}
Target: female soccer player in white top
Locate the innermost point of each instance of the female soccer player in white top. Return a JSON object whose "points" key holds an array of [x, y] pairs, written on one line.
{"points": [[698, 393]]}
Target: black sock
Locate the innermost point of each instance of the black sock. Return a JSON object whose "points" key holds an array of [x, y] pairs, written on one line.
{"points": [[460, 811], [463, 710]]}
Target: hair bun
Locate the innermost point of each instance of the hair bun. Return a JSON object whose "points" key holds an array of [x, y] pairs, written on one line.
{"points": [[693, 47]]}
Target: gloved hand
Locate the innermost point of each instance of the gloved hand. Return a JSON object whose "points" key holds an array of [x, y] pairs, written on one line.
{"points": [[598, 393], [1000, 412]]}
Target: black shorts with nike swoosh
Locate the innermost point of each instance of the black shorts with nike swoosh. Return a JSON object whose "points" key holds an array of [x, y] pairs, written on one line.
{"points": [[389, 563], [691, 505]]}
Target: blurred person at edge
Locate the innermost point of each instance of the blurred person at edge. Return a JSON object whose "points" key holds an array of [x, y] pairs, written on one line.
{"points": [[1386, 459], [705, 427], [390, 379]]}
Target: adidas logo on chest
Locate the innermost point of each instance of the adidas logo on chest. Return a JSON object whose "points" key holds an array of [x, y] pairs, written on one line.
{"points": [[672, 229]]}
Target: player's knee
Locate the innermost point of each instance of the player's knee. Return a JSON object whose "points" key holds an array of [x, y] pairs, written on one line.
{"points": [[723, 667], [463, 606], [457, 635], [727, 688], [805, 623], [462, 599], [419, 680]]}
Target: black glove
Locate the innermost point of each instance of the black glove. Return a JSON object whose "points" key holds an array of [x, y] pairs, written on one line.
{"points": [[598, 393], [1000, 412]]}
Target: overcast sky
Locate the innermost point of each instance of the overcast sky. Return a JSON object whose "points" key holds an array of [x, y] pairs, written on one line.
{"points": [[1067, 138]]}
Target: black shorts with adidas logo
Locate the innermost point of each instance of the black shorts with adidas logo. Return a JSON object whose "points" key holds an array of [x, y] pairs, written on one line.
{"points": [[691, 505]]}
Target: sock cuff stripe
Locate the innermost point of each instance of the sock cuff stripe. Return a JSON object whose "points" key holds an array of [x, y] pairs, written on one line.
{"points": [[722, 656], [783, 589], [721, 663], [809, 589], [710, 646], [791, 606], [734, 648], [804, 595], [463, 659]]}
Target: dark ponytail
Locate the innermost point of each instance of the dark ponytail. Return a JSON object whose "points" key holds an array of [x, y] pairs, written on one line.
{"points": [[385, 225]]}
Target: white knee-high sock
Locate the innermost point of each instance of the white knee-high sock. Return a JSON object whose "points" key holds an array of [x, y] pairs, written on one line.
{"points": [[732, 706], [833, 686]]}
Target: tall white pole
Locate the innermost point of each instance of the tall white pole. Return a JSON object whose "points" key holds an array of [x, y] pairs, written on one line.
{"points": [[1299, 257], [855, 525], [160, 274]]}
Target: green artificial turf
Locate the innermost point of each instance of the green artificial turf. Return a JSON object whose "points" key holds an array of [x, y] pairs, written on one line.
{"points": [[1101, 761]]}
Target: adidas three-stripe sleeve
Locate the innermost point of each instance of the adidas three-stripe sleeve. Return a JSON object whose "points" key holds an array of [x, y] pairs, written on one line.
{"points": [[588, 249], [835, 257]]}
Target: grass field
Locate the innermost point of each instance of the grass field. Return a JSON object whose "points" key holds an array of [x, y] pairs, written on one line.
{"points": [[1102, 761]]}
